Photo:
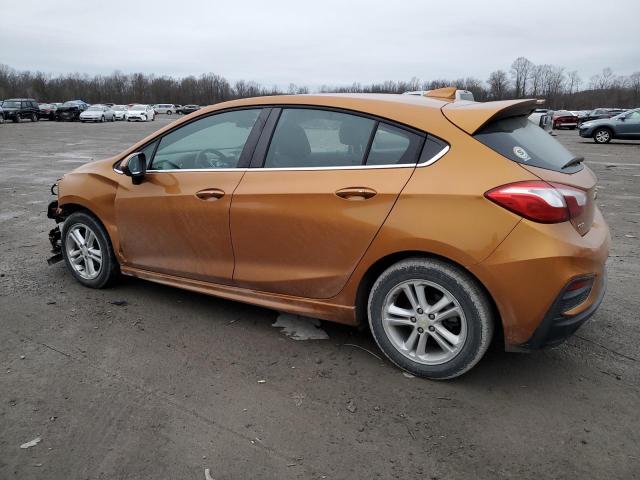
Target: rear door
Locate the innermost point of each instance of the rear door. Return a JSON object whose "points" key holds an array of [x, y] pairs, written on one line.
{"points": [[322, 185]]}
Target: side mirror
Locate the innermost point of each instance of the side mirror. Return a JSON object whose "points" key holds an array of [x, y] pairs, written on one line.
{"points": [[135, 166]]}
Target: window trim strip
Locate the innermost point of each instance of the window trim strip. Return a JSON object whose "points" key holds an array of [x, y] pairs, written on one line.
{"points": [[431, 161]]}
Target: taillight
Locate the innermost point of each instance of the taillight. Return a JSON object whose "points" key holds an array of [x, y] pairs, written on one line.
{"points": [[540, 201]]}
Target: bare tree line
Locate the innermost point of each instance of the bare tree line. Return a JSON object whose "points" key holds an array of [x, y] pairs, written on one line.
{"points": [[560, 88]]}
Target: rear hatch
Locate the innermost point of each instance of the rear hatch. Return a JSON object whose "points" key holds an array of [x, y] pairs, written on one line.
{"points": [[507, 130]]}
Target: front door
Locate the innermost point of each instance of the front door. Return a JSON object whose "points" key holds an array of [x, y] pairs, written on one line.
{"points": [[177, 220], [630, 126], [301, 223]]}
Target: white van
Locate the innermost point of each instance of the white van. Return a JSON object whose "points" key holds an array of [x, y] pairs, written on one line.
{"points": [[168, 108]]}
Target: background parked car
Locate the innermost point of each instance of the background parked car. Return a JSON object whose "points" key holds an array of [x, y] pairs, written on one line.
{"points": [[178, 108], [564, 119], [187, 109], [142, 113], [71, 110], [119, 111], [599, 113], [623, 126], [98, 113], [1, 114], [543, 118], [18, 108], [167, 108], [47, 110]]}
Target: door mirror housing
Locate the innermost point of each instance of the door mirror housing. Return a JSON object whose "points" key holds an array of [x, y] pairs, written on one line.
{"points": [[135, 166]]}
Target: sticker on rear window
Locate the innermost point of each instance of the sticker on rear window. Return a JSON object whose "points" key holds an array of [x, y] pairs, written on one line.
{"points": [[521, 153]]}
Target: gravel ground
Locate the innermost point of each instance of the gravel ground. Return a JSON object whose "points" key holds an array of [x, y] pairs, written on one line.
{"points": [[145, 381]]}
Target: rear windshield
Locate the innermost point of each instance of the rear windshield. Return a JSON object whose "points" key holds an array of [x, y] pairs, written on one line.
{"points": [[524, 142]]}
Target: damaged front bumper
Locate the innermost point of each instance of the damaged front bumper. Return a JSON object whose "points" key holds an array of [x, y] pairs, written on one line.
{"points": [[55, 236]]}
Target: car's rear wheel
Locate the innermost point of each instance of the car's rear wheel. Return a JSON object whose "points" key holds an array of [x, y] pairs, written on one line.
{"points": [[169, 112], [430, 318], [602, 135], [1, 119], [87, 251], [34, 117], [16, 119]]}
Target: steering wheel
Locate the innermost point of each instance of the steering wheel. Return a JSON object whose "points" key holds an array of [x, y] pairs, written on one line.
{"points": [[202, 161]]}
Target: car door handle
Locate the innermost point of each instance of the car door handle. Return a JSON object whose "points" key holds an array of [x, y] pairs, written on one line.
{"points": [[210, 194], [356, 193]]}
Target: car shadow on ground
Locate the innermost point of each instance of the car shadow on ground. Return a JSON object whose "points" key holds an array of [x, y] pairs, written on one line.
{"points": [[498, 368]]}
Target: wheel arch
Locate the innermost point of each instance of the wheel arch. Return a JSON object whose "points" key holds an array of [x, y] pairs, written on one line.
{"points": [[74, 206], [604, 127], [380, 265]]}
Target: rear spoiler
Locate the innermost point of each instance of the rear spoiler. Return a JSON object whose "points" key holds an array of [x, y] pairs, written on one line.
{"points": [[472, 116]]}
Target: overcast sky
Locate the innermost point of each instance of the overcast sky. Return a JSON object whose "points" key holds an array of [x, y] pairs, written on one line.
{"points": [[318, 42]]}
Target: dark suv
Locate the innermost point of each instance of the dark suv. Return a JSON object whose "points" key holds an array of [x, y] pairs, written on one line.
{"points": [[18, 108]]}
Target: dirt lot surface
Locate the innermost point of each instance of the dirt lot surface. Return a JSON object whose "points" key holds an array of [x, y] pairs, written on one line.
{"points": [[142, 381]]}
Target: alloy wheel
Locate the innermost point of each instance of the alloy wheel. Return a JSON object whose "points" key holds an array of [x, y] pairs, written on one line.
{"points": [[603, 136], [424, 322], [83, 251]]}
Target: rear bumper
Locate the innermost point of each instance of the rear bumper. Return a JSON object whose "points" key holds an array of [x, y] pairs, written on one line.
{"points": [[556, 327], [530, 271]]}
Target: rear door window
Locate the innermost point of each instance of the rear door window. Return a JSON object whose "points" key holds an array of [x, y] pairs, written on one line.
{"points": [[521, 141], [308, 138], [394, 146]]}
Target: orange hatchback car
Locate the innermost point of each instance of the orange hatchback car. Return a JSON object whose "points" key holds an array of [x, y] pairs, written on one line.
{"points": [[436, 222]]}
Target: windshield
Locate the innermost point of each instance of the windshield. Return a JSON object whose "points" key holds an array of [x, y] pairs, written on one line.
{"points": [[522, 141], [95, 108], [119, 108], [138, 107], [72, 103]]}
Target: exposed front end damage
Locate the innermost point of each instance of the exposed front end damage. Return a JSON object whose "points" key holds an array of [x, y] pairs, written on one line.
{"points": [[55, 236]]}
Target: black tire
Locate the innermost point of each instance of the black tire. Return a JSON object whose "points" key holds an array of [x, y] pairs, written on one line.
{"points": [[602, 135], [110, 269], [1, 119], [16, 119], [169, 112], [102, 119], [34, 117], [469, 295]]}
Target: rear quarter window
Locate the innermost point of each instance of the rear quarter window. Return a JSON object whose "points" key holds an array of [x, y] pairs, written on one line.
{"points": [[521, 141]]}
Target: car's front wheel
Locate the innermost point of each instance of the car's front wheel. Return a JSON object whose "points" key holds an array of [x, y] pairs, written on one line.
{"points": [[87, 251], [602, 135], [430, 318]]}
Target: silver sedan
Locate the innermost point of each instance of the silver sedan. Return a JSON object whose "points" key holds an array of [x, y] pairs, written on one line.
{"points": [[98, 113]]}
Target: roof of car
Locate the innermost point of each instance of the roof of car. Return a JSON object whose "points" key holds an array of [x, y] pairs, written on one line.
{"points": [[436, 116]]}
